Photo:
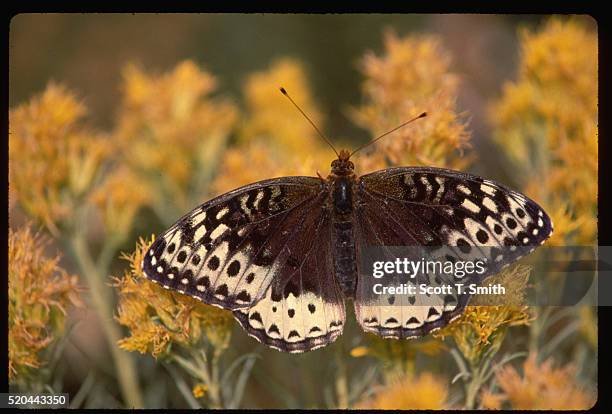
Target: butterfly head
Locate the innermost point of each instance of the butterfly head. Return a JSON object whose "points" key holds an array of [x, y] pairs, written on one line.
{"points": [[343, 165]]}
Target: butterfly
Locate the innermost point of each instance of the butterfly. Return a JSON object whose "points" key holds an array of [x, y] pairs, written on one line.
{"points": [[283, 254]]}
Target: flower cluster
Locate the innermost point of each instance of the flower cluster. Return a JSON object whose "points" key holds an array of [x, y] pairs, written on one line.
{"points": [[54, 160], [40, 292], [158, 318], [541, 387], [173, 133], [481, 328], [424, 392], [547, 123], [412, 76]]}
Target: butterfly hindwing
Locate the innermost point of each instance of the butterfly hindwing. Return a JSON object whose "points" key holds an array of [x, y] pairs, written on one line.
{"points": [[467, 216], [227, 251], [303, 308]]}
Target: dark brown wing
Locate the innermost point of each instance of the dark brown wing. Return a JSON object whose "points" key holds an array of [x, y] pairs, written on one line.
{"points": [[303, 308], [227, 251], [467, 215], [262, 251]]}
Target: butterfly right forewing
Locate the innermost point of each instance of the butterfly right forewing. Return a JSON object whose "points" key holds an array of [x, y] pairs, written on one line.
{"points": [[227, 251], [464, 216]]}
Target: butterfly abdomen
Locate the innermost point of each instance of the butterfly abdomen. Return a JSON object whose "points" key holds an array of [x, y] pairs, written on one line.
{"points": [[344, 261], [343, 238]]}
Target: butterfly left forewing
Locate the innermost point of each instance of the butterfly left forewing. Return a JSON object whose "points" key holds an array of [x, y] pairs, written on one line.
{"points": [[227, 251], [467, 216]]}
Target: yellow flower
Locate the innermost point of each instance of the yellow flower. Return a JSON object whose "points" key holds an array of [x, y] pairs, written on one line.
{"points": [[119, 198], [547, 123], [158, 318], [53, 159], [275, 140], [39, 294], [411, 77], [424, 392], [272, 117], [199, 390], [173, 133], [483, 324], [491, 401], [360, 351], [542, 387], [397, 356]]}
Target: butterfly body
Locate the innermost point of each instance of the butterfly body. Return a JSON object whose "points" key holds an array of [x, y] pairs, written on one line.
{"points": [[342, 181], [283, 254]]}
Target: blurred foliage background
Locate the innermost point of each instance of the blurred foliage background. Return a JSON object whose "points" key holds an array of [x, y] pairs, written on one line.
{"points": [[120, 124]]}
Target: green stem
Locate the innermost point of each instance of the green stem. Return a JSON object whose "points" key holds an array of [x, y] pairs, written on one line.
{"points": [[211, 377], [341, 381], [100, 294], [215, 390], [472, 388]]}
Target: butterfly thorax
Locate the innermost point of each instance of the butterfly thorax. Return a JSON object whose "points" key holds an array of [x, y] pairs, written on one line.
{"points": [[342, 182]]}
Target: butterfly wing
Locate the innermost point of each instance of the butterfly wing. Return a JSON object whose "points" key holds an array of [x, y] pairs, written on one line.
{"points": [[227, 251], [303, 308], [421, 206]]}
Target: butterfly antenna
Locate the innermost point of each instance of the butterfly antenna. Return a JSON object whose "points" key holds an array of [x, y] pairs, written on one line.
{"points": [[423, 115], [284, 92]]}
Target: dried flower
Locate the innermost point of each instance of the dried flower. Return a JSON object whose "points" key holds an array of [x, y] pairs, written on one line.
{"points": [[39, 294], [411, 77], [547, 123], [158, 318], [53, 159], [541, 387], [410, 393], [483, 324], [173, 133]]}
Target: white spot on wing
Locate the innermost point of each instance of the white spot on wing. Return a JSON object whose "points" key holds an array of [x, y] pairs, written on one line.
{"points": [[426, 183], [464, 189], [218, 231], [470, 205], [490, 204], [199, 233], [440, 191], [198, 218], [485, 188], [222, 213], [258, 198]]}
